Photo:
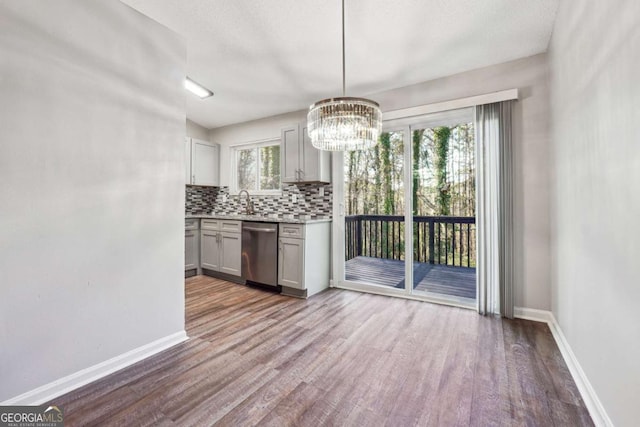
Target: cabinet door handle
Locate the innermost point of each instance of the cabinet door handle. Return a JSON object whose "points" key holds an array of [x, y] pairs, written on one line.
{"points": [[193, 179], [261, 230]]}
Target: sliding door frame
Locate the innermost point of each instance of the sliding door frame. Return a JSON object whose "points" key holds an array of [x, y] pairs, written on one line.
{"points": [[404, 119], [338, 262]]}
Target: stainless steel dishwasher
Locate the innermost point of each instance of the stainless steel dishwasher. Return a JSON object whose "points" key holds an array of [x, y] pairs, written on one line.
{"points": [[260, 253]]}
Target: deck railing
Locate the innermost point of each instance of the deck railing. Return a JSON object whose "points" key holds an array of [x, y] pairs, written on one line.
{"points": [[447, 240]]}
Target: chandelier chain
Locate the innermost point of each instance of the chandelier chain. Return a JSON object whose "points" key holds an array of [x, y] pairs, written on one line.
{"points": [[344, 72], [345, 123]]}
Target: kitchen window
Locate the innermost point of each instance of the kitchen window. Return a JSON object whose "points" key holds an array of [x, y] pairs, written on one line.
{"points": [[257, 167]]}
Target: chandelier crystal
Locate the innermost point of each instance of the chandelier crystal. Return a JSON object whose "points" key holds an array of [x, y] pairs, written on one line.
{"points": [[344, 123]]}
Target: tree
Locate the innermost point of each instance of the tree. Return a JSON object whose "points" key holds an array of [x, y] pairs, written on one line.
{"points": [[377, 182], [246, 168], [417, 140], [443, 198], [385, 159], [351, 193]]}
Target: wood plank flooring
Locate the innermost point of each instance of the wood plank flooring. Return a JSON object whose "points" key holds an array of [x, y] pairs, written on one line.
{"points": [[340, 358], [437, 279]]}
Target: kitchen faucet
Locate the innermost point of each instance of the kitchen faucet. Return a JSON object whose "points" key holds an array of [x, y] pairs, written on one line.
{"points": [[249, 208]]}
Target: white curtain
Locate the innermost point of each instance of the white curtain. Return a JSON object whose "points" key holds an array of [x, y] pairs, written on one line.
{"points": [[494, 215]]}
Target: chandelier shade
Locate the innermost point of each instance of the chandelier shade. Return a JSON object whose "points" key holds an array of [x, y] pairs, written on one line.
{"points": [[344, 124]]}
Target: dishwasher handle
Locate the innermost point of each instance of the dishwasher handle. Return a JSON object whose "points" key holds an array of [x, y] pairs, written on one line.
{"points": [[262, 230]]}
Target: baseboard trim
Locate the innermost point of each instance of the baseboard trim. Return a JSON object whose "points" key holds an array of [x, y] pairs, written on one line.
{"points": [[533, 314], [591, 400], [71, 382]]}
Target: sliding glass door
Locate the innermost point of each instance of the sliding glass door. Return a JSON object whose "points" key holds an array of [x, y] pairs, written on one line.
{"points": [[443, 208], [373, 198], [408, 226]]}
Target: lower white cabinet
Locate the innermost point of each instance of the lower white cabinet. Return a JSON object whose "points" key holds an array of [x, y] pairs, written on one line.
{"points": [[291, 262], [192, 244], [191, 250], [221, 250], [231, 253], [304, 258], [210, 250]]}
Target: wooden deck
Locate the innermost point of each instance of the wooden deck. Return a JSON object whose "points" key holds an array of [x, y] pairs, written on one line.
{"points": [[437, 279]]}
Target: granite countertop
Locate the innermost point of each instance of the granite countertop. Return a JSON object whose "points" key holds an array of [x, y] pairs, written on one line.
{"points": [[290, 219]]}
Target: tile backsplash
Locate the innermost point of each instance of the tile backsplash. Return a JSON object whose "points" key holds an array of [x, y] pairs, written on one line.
{"points": [[205, 200], [200, 200]]}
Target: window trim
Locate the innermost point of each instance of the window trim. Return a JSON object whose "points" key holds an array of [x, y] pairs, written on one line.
{"points": [[235, 148]]}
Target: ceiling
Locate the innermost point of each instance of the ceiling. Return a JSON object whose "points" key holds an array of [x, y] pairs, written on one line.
{"points": [[267, 57]]}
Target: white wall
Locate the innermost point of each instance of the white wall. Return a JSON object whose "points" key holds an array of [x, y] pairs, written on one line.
{"points": [[531, 140], [595, 209], [91, 187], [194, 130]]}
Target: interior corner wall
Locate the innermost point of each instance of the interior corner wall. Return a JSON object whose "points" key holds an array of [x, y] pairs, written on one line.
{"points": [[194, 130], [595, 197], [91, 187]]}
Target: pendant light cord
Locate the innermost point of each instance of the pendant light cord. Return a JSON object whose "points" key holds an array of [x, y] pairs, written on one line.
{"points": [[344, 85]]}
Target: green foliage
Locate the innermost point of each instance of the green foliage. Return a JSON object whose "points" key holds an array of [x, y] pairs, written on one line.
{"points": [[443, 198], [442, 175], [377, 188], [442, 182], [258, 168], [417, 140], [385, 159], [246, 167], [270, 165]]}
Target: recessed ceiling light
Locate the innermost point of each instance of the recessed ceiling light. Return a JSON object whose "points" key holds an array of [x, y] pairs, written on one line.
{"points": [[197, 89]]}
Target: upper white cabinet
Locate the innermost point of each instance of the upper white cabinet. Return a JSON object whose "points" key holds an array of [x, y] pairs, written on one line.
{"points": [[301, 161], [290, 153], [202, 162]]}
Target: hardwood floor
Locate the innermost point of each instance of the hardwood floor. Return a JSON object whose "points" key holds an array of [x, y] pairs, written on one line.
{"points": [[339, 358]]}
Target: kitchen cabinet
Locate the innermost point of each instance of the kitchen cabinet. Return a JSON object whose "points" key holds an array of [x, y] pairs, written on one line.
{"points": [[301, 161], [221, 246], [231, 253], [202, 162], [210, 250], [304, 258], [291, 262], [192, 246]]}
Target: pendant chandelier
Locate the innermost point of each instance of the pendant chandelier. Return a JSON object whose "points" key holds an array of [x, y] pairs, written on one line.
{"points": [[344, 123]]}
